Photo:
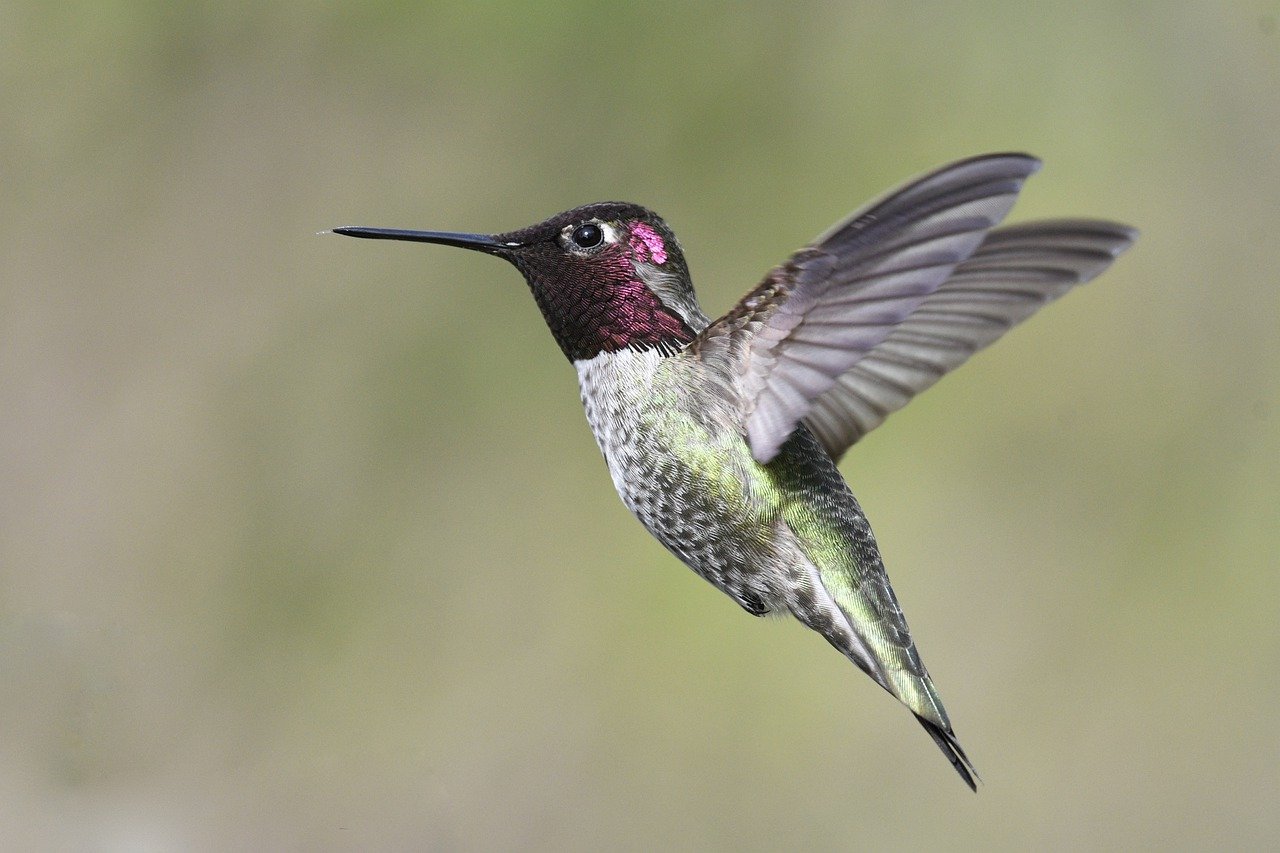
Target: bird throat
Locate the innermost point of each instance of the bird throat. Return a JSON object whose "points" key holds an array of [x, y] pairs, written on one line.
{"points": [[608, 309]]}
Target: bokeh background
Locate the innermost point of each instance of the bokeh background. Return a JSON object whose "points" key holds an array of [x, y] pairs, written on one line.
{"points": [[305, 544]]}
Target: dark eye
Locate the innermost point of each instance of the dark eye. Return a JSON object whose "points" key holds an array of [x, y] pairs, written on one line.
{"points": [[587, 236]]}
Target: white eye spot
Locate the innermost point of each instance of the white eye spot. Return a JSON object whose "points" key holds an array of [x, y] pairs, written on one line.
{"points": [[587, 237]]}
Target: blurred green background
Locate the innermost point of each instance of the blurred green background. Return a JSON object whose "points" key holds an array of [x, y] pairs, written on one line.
{"points": [[305, 543]]}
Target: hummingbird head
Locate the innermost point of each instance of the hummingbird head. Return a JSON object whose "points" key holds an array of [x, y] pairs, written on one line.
{"points": [[608, 276]]}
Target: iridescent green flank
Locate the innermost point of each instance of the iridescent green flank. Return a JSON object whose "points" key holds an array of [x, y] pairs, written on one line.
{"points": [[834, 535], [771, 522], [683, 433]]}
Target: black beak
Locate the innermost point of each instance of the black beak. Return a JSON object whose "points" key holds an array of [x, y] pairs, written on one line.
{"points": [[476, 242]]}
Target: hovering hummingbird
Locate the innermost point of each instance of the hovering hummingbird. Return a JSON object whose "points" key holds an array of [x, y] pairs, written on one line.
{"points": [[722, 437]]}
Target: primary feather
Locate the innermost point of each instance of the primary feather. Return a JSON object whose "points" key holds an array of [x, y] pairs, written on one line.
{"points": [[1016, 271], [814, 317]]}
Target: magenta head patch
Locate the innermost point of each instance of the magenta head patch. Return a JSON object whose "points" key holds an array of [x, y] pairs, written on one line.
{"points": [[647, 244]]}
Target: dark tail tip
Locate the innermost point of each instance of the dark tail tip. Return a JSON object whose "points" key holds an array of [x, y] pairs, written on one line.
{"points": [[946, 741]]}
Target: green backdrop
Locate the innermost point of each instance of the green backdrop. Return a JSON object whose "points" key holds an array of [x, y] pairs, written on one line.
{"points": [[304, 542]]}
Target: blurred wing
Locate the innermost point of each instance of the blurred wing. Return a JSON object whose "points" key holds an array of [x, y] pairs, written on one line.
{"points": [[788, 341], [1015, 272]]}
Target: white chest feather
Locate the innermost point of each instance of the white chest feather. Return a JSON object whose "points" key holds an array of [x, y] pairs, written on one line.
{"points": [[619, 391]]}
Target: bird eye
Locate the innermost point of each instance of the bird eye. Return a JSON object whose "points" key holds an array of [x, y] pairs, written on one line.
{"points": [[587, 236]]}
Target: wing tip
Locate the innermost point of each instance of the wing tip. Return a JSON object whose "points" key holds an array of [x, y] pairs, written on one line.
{"points": [[1124, 235], [1106, 238], [1120, 234], [1028, 164]]}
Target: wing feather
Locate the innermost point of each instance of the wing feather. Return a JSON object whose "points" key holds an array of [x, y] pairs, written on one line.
{"points": [[1017, 270], [813, 318]]}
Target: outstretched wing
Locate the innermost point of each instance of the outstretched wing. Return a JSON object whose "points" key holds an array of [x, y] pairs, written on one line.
{"points": [[813, 318], [1016, 271]]}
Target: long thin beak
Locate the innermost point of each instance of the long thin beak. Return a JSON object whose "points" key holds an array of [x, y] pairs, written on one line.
{"points": [[477, 242]]}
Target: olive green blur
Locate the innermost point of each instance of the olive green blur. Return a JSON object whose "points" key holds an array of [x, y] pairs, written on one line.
{"points": [[305, 543]]}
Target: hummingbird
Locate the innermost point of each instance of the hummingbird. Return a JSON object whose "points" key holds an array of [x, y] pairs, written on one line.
{"points": [[722, 437]]}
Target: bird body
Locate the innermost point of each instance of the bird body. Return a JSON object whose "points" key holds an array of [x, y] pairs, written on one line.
{"points": [[783, 537], [722, 437]]}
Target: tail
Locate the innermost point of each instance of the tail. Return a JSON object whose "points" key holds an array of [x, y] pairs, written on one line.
{"points": [[946, 741]]}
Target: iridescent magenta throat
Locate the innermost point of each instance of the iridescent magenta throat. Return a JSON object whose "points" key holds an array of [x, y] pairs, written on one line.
{"points": [[604, 307]]}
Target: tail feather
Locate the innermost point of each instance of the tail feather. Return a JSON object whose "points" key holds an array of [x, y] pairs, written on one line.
{"points": [[946, 741]]}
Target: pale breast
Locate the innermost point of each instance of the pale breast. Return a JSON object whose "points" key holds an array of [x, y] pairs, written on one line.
{"points": [[676, 454]]}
